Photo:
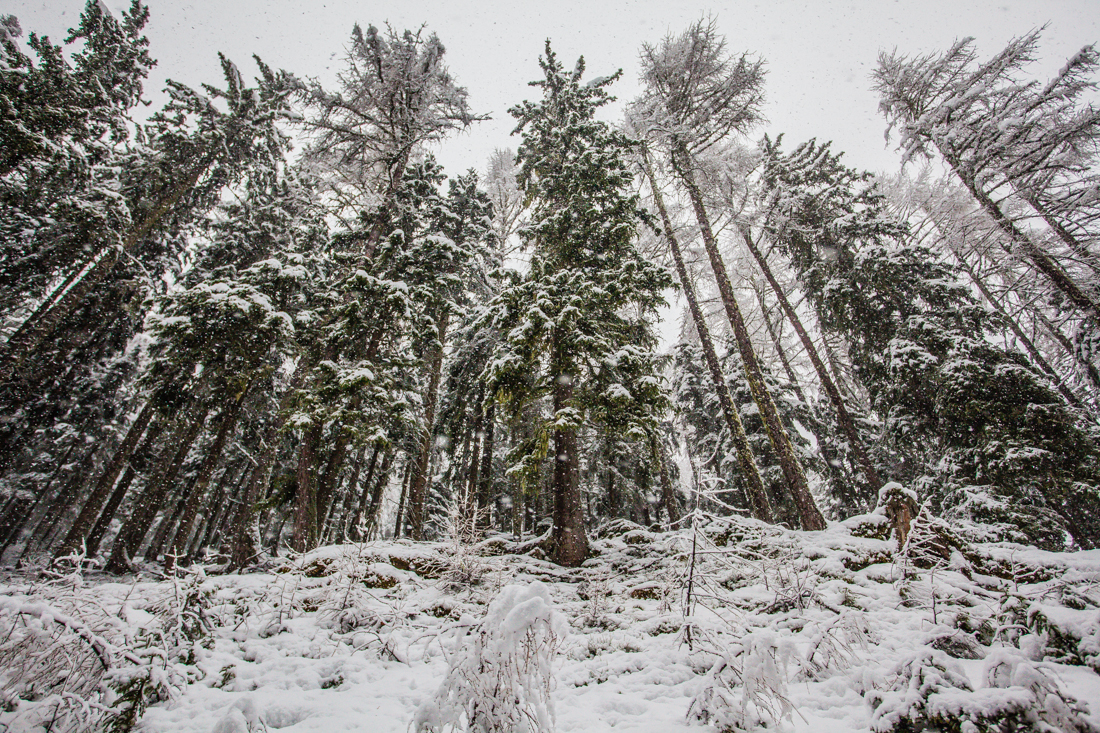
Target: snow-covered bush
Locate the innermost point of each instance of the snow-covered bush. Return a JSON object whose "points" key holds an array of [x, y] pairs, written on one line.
{"points": [[836, 644], [71, 663], [930, 691], [501, 675], [746, 687]]}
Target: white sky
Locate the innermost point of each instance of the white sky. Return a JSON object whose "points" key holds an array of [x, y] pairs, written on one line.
{"points": [[819, 53]]}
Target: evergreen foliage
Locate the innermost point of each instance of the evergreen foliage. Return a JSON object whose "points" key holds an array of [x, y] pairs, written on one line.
{"points": [[575, 326]]}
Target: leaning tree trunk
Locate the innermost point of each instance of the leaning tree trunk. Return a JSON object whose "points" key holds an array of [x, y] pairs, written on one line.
{"points": [[64, 299], [206, 472], [758, 495], [141, 456], [244, 548], [1029, 345], [145, 509], [792, 472], [1079, 248], [1042, 261], [418, 490], [373, 521], [78, 533], [358, 497], [14, 519], [844, 418]]}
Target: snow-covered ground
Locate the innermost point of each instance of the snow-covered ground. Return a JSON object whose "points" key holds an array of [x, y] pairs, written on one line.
{"points": [[816, 632]]}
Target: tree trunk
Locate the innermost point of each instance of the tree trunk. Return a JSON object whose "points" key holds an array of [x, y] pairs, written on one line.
{"points": [[843, 417], [165, 530], [1076, 245], [1032, 349], [1040, 259], [758, 495], [206, 472], [668, 493], [13, 523], [485, 474], [326, 485], [78, 533], [777, 343], [62, 301], [133, 531], [375, 505], [471, 505], [355, 512], [243, 548], [142, 455], [418, 490], [56, 504], [222, 504], [792, 472], [568, 538], [305, 507], [399, 520]]}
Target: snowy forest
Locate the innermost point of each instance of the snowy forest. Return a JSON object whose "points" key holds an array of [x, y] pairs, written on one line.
{"points": [[299, 430]]}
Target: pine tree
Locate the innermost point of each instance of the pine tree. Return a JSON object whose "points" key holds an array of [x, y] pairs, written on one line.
{"points": [[396, 96], [1006, 138]]}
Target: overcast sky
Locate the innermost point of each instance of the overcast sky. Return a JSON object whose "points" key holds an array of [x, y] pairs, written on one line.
{"points": [[819, 53]]}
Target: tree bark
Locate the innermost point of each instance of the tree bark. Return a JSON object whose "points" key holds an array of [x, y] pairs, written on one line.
{"points": [[844, 418], [326, 485], [243, 548], [485, 474], [133, 531], [305, 506], [78, 533], [60, 303], [141, 456], [56, 504], [568, 539], [810, 515], [418, 490], [355, 512], [668, 493], [1042, 261], [222, 505], [1032, 349], [758, 495], [206, 472], [379, 489], [400, 518]]}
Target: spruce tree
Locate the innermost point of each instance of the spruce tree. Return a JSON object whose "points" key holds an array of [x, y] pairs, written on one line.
{"points": [[576, 327]]}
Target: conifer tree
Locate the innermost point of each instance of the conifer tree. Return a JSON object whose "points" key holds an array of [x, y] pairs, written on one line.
{"points": [[697, 96], [983, 434], [575, 327], [1007, 138]]}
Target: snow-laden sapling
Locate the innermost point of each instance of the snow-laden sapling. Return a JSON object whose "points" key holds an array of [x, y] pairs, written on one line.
{"points": [[501, 675], [746, 687], [461, 523]]}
